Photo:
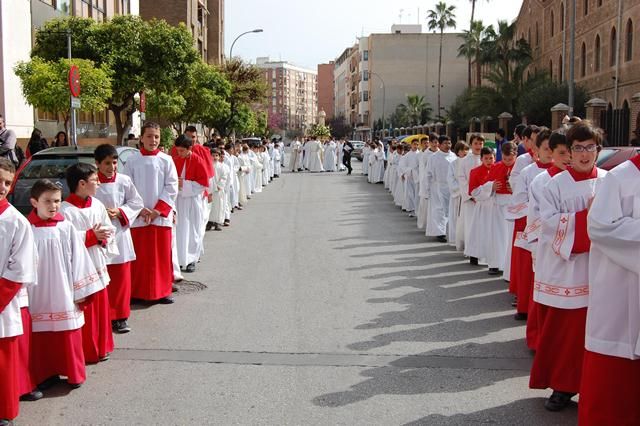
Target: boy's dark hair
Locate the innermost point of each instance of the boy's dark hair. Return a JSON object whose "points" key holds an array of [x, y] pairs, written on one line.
{"points": [[184, 141], [509, 148], [129, 136], [103, 151], [444, 138], [529, 130], [460, 146], [148, 125], [7, 165], [519, 129], [190, 129], [77, 172], [424, 138], [486, 150], [41, 186], [229, 145], [475, 136], [501, 133], [542, 136], [215, 151], [583, 131], [556, 139]]}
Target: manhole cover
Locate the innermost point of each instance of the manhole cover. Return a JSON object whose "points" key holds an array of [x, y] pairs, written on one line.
{"points": [[186, 287]]}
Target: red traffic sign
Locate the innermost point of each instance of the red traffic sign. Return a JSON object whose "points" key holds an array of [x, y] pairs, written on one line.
{"points": [[74, 81], [143, 102]]}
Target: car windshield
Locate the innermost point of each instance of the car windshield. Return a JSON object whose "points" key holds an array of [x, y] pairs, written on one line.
{"points": [[45, 167], [605, 154]]}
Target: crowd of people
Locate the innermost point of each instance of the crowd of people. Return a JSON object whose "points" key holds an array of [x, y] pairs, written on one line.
{"points": [[314, 156], [70, 270], [564, 234]]}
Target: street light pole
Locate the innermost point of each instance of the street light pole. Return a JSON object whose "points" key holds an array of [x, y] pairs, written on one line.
{"points": [[572, 51], [74, 136], [384, 99], [257, 30]]}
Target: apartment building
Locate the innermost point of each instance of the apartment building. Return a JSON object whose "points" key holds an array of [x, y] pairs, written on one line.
{"points": [[326, 84], [292, 95]]}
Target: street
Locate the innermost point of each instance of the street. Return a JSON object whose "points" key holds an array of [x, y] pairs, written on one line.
{"points": [[324, 304]]}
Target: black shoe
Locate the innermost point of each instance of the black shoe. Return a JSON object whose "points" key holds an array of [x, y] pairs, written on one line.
{"points": [[520, 316], [216, 227], [190, 268], [50, 382], [104, 358], [239, 208], [121, 326], [166, 300], [5, 422], [441, 238], [209, 226], [74, 385], [473, 261], [34, 395], [494, 271], [558, 401]]}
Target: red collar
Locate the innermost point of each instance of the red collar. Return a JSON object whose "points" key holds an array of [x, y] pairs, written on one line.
{"points": [[4, 205], [103, 179], [530, 152], [636, 160], [78, 202], [145, 152], [578, 176], [544, 166], [554, 170], [36, 221]]}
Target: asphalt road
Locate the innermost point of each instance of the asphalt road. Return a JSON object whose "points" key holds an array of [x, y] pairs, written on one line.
{"points": [[324, 305]]}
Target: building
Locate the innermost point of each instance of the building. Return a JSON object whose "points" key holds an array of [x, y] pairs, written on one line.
{"points": [[607, 55], [203, 18], [386, 68], [292, 94], [326, 101]]}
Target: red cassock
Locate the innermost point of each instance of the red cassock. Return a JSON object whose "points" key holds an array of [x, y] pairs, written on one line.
{"points": [[97, 337], [119, 291], [479, 176], [500, 173], [152, 271], [196, 169], [64, 356], [9, 390], [26, 383]]}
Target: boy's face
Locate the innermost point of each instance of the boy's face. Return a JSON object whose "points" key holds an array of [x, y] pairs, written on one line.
{"points": [[414, 146], [584, 161], [151, 139], [544, 152], [561, 157], [433, 145], [192, 135], [48, 204], [216, 157], [6, 178], [445, 146], [108, 166], [477, 145], [509, 159], [89, 187], [183, 152], [463, 153], [488, 160]]}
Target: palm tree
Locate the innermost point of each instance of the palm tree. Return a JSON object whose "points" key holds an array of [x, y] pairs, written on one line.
{"points": [[441, 18], [414, 109], [473, 14], [475, 47]]}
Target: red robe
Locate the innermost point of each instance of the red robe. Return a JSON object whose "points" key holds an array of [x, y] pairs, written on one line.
{"points": [[479, 176]]}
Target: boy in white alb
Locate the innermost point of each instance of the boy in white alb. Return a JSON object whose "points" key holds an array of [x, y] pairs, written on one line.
{"points": [[154, 176], [437, 192], [423, 190], [124, 204], [67, 279], [89, 216], [218, 190], [17, 269], [456, 239], [465, 165], [561, 287]]}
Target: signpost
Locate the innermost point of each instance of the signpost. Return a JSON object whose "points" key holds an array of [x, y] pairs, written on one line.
{"points": [[143, 106], [74, 91]]}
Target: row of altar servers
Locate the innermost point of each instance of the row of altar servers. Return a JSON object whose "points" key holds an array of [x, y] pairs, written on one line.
{"points": [[317, 156], [70, 270], [566, 236]]}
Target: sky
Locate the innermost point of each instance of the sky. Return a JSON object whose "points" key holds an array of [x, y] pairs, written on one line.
{"points": [[310, 32]]}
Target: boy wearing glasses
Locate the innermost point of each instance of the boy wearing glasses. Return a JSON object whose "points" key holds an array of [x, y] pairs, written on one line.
{"points": [[561, 288]]}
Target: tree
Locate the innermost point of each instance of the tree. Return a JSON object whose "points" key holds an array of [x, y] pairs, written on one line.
{"points": [[140, 54], [45, 85], [471, 21], [339, 126], [441, 18], [536, 102], [475, 47], [414, 109]]}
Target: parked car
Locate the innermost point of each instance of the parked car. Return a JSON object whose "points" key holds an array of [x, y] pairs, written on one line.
{"points": [[52, 164], [252, 141], [357, 149], [611, 156]]}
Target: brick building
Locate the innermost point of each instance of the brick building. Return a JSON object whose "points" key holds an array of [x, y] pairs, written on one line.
{"points": [[325, 89], [607, 55], [203, 18], [292, 94]]}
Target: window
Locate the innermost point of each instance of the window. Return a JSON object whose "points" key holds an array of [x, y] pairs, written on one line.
{"points": [[628, 48], [537, 35], [553, 24], [583, 60], [585, 8], [597, 54], [365, 75], [365, 96], [612, 47], [560, 69], [561, 17], [551, 68], [365, 55], [48, 116]]}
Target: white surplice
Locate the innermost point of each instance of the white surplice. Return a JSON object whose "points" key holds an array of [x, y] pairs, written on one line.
{"points": [[315, 156], [18, 263], [340, 153], [410, 170], [219, 195], [123, 195], [464, 167], [189, 232], [376, 173], [365, 159], [329, 163], [423, 191], [277, 162], [454, 206], [438, 194]]}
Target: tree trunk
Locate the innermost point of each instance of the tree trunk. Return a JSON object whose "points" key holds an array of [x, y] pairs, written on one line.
{"points": [[440, 71], [478, 72], [121, 126], [473, 13]]}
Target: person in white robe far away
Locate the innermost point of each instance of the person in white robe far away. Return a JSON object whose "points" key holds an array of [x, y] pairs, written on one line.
{"points": [[329, 163], [306, 154], [378, 157], [410, 179], [366, 149], [432, 144], [468, 163], [340, 154], [398, 189], [461, 149], [218, 190], [296, 151], [276, 160], [315, 155], [388, 171], [437, 172]]}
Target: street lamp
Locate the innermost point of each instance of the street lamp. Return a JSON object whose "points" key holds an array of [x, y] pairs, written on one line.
{"points": [[384, 98], [258, 30]]}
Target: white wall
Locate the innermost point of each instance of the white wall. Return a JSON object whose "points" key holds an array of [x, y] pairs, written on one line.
{"points": [[15, 45]]}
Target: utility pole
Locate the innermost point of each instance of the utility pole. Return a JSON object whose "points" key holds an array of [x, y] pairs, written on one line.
{"points": [[74, 138], [572, 52]]}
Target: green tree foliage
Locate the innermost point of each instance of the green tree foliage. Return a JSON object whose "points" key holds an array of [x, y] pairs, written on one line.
{"points": [[537, 102], [475, 47], [45, 85], [140, 54], [340, 128], [412, 113], [439, 19]]}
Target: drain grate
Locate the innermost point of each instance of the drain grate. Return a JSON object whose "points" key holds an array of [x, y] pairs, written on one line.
{"points": [[188, 287]]}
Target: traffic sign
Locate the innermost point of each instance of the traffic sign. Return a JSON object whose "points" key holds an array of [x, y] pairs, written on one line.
{"points": [[74, 81], [143, 102], [75, 102]]}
